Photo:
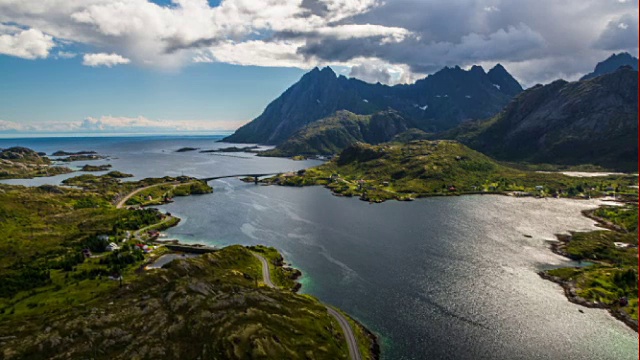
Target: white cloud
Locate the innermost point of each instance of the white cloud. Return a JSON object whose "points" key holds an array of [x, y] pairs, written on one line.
{"points": [[103, 59], [66, 55], [142, 124], [10, 126], [27, 44], [170, 36], [418, 35], [120, 124]]}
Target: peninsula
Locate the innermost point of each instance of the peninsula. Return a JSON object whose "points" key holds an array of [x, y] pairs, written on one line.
{"points": [[79, 260]]}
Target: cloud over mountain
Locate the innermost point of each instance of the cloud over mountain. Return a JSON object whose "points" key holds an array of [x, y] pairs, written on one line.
{"points": [[415, 36]]}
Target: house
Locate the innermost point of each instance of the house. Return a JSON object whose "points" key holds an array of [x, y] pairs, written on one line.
{"points": [[103, 237], [539, 187], [452, 188], [86, 253], [621, 245], [112, 247]]}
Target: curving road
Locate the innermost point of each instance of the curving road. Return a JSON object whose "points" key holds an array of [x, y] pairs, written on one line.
{"points": [[123, 201], [354, 351], [266, 274], [352, 343]]}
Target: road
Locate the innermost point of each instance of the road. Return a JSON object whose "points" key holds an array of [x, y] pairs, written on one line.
{"points": [[352, 343], [354, 351], [266, 274], [123, 201]]}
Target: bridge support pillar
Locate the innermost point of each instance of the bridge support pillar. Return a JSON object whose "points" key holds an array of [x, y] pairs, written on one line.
{"points": [[255, 180]]}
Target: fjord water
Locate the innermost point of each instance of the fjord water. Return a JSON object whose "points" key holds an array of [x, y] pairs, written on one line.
{"points": [[439, 278]]}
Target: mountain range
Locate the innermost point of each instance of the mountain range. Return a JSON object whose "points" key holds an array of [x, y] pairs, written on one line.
{"points": [[590, 121], [435, 103]]}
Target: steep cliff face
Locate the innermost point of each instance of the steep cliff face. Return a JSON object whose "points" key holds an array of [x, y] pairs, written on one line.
{"points": [[437, 102], [590, 121]]}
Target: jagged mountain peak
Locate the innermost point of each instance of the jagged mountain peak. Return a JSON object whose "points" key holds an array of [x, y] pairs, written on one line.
{"points": [[592, 121], [612, 63], [437, 102]]}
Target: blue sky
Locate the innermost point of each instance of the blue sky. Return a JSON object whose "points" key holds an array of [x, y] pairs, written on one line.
{"points": [[62, 90], [201, 65]]}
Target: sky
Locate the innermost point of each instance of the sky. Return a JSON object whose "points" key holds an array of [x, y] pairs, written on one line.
{"points": [[197, 65]]}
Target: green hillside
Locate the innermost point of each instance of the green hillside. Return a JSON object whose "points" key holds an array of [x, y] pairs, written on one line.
{"points": [[334, 133], [442, 167]]}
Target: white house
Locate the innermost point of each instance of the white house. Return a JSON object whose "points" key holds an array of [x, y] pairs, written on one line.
{"points": [[112, 247]]}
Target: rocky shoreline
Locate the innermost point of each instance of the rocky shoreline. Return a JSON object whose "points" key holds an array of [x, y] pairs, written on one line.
{"points": [[569, 287], [571, 294], [375, 345]]}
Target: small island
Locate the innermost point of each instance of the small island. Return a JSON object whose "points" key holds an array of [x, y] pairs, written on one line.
{"points": [[67, 153], [93, 168], [23, 163], [250, 149], [187, 149], [81, 157]]}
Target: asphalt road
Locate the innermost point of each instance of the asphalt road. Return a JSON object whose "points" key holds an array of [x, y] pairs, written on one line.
{"points": [[266, 273], [352, 343], [123, 201]]}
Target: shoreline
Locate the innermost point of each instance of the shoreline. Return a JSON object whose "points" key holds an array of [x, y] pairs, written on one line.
{"points": [[374, 348], [569, 287], [414, 196], [177, 247]]}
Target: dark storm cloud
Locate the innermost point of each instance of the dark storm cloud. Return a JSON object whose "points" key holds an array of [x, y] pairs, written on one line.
{"points": [[516, 43], [619, 34], [569, 35]]}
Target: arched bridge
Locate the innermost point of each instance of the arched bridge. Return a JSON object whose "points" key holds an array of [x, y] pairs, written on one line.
{"points": [[254, 176]]}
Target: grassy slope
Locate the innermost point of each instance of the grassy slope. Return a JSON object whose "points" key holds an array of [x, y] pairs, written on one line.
{"points": [[283, 277], [340, 130], [323, 137], [428, 168], [286, 279], [202, 307]]}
